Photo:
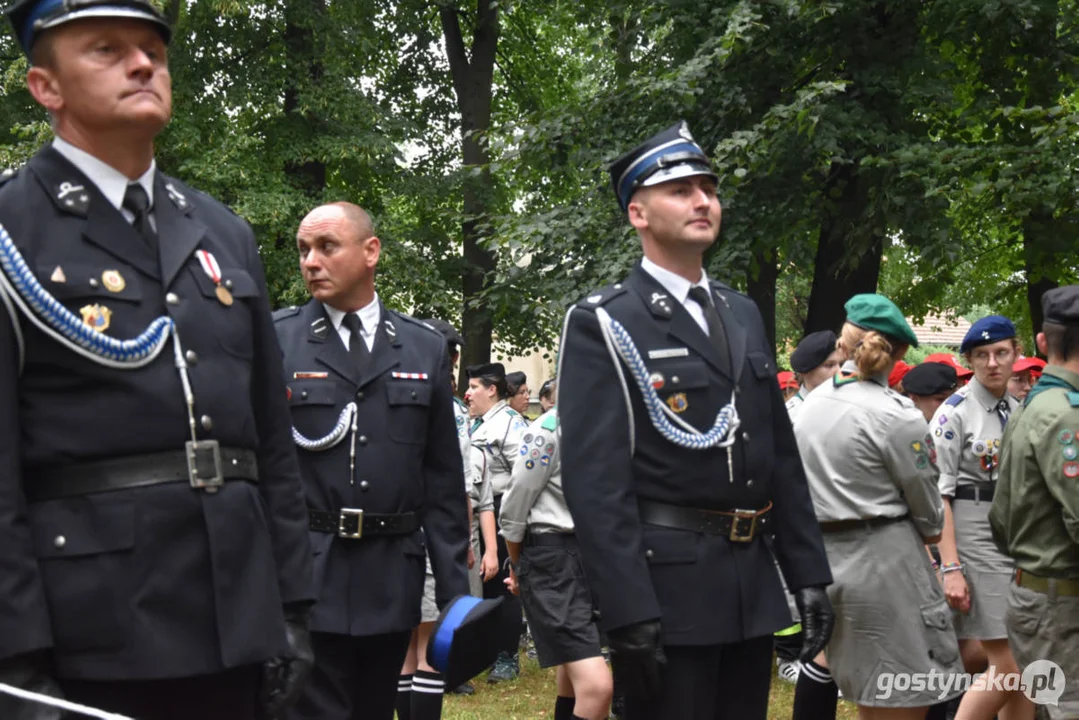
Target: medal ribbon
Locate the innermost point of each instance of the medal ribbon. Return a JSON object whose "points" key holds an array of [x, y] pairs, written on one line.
{"points": [[209, 265]]}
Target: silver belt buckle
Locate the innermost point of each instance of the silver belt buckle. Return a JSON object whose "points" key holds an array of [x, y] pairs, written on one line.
{"points": [[204, 470], [343, 518]]}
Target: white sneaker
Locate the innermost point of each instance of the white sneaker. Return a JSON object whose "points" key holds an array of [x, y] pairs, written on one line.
{"points": [[788, 670]]}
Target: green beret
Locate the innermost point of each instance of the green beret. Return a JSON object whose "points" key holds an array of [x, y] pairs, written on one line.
{"points": [[870, 311]]}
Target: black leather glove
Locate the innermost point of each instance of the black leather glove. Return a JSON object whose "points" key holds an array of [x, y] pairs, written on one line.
{"points": [[28, 672], [818, 619], [637, 658], [283, 678]]}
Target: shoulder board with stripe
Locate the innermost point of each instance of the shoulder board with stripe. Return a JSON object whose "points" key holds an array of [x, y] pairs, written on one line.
{"points": [[841, 379], [285, 313], [550, 422], [601, 296], [955, 399], [1073, 398]]}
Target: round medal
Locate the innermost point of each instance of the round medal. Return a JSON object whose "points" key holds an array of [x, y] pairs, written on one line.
{"points": [[113, 281], [223, 295]]}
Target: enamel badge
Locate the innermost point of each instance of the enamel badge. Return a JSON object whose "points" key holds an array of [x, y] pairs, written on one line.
{"points": [[113, 281], [97, 317], [678, 402], [58, 275]]}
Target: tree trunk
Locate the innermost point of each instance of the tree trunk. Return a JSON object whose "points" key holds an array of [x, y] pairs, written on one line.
{"points": [[472, 71], [762, 289], [848, 255], [300, 37]]}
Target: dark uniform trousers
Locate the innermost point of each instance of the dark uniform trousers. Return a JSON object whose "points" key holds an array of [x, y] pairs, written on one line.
{"points": [[511, 625], [407, 461], [166, 586], [718, 600]]}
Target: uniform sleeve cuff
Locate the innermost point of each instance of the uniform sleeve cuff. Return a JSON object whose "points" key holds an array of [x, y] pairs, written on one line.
{"points": [[947, 485], [513, 531]]}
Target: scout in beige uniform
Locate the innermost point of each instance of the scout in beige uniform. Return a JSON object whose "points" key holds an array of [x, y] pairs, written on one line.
{"points": [[967, 430], [538, 529], [496, 438], [1035, 513], [870, 464]]}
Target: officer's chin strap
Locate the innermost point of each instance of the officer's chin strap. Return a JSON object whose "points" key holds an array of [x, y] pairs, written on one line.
{"points": [[723, 432], [20, 288]]}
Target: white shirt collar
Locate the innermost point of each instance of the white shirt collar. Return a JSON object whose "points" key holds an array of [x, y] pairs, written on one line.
{"points": [[675, 284], [111, 182], [369, 315]]}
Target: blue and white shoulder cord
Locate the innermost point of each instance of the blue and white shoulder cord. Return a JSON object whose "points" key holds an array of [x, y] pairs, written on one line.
{"points": [[20, 288], [722, 433], [346, 421]]}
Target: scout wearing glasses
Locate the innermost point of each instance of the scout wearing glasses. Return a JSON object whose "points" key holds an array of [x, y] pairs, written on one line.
{"points": [[1035, 513], [678, 458], [155, 547]]}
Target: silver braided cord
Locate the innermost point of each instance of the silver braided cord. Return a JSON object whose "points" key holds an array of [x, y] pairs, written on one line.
{"points": [[85, 710], [20, 286], [723, 432], [345, 422]]}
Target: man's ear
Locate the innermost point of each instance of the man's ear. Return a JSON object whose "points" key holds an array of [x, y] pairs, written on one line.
{"points": [[45, 88], [374, 250], [638, 215], [1042, 343]]}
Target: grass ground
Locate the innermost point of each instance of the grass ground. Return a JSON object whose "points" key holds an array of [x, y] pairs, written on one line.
{"points": [[532, 697]]}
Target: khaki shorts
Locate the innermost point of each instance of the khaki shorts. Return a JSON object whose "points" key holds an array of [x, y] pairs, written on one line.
{"points": [[1042, 627]]}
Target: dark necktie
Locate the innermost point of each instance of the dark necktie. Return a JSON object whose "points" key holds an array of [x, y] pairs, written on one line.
{"points": [[357, 346], [138, 202], [715, 325], [1003, 411]]}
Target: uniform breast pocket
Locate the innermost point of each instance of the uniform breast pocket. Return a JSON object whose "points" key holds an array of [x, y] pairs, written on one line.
{"points": [[409, 403], [763, 367], [673, 376], [84, 548], [227, 309], [101, 296], [314, 407]]}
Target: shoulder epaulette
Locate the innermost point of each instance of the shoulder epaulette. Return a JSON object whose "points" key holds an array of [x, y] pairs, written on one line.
{"points": [[1073, 398], [417, 323], [510, 411], [7, 175], [955, 399], [842, 378], [550, 422], [286, 312], [460, 402], [602, 296]]}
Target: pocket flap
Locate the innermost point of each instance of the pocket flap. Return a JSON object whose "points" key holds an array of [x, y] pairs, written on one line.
{"points": [[662, 547], [681, 374], [937, 615], [240, 284], [88, 525], [88, 281], [408, 393], [762, 365], [319, 392]]}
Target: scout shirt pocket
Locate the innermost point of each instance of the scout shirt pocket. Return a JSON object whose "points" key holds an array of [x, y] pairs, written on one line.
{"points": [[101, 295], [313, 404], [409, 401], [84, 546], [229, 314]]}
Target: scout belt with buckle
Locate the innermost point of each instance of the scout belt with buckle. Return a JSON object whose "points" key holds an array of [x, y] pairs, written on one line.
{"points": [[204, 465], [1045, 585], [354, 523], [736, 525]]}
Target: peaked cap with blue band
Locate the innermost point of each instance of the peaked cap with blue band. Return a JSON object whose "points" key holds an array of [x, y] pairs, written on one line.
{"points": [[465, 639], [990, 329], [669, 155], [30, 18]]}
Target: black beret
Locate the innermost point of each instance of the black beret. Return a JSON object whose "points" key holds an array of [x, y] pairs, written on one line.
{"points": [[29, 18], [495, 370], [930, 378], [515, 380], [812, 351], [448, 331], [1061, 305]]}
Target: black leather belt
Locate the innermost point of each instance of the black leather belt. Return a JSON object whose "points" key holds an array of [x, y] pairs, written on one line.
{"points": [[205, 466], [831, 526], [555, 539], [736, 525], [984, 493], [354, 523]]}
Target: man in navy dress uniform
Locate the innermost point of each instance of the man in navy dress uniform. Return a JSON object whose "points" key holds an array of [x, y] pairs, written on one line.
{"points": [[372, 408], [679, 464], [153, 537]]}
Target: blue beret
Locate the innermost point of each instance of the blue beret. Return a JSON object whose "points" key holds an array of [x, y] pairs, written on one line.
{"points": [[30, 17], [990, 329], [812, 351], [669, 155]]}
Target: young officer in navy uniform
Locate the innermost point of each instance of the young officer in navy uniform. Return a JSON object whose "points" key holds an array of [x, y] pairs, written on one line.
{"points": [[154, 540], [372, 411], [679, 461]]}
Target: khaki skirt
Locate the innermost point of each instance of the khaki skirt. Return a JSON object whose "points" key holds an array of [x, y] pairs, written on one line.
{"points": [[891, 617], [987, 571]]}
